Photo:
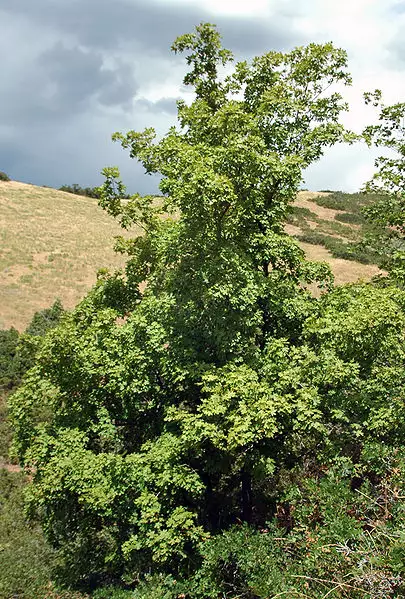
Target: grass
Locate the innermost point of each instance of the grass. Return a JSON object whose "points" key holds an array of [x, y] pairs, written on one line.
{"points": [[51, 245]]}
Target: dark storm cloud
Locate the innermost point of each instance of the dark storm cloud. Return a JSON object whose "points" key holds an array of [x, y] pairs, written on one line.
{"points": [[152, 25], [77, 77], [75, 70], [396, 47], [62, 82]]}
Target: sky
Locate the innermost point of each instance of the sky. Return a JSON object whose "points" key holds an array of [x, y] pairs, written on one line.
{"points": [[75, 71]]}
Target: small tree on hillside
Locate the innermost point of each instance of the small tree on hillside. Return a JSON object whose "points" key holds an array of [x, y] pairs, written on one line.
{"points": [[168, 414], [4, 176]]}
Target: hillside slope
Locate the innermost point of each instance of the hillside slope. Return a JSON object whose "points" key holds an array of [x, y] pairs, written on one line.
{"points": [[52, 243], [322, 222]]}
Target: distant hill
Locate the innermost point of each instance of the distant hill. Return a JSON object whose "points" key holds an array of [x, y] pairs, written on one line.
{"points": [[52, 243]]}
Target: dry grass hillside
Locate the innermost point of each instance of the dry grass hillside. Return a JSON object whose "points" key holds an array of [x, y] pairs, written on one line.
{"points": [[52, 244], [321, 221]]}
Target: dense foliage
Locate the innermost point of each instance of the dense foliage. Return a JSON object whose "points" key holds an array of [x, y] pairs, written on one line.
{"points": [[89, 192], [4, 176], [17, 352], [201, 425], [388, 213]]}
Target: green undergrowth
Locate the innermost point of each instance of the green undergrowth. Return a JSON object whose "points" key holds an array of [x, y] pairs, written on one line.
{"points": [[351, 218], [26, 559]]}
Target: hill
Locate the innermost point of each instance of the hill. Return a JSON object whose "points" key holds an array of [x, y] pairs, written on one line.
{"points": [[327, 225], [53, 243]]}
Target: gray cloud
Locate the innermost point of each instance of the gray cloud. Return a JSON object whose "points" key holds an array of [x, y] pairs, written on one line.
{"points": [[396, 50], [164, 105], [73, 71], [77, 76], [152, 25]]}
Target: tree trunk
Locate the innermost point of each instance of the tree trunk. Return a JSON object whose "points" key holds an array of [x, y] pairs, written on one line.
{"points": [[246, 493]]}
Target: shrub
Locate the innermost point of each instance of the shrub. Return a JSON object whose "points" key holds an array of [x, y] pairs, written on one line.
{"points": [[17, 352], [4, 176], [10, 366], [26, 560], [350, 218], [90, 192], [339, 248], [24, 556], [46, 319]]}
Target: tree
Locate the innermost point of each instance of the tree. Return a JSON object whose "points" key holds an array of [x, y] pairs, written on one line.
{"points": [[387, 214], [17, 352], [169, 414]]}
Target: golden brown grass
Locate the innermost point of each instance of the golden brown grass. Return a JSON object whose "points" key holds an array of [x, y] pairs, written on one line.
{"points": [[345, 271], [52, 244]]}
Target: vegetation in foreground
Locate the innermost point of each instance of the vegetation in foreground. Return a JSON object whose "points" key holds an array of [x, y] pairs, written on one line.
{"points": [[26, 559], [224, 433]]}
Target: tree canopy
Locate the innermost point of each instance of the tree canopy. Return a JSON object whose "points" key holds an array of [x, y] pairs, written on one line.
{"points": [[198, 418], [388, 213]]}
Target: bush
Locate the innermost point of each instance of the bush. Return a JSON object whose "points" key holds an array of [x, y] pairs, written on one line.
{"points": [[17, 351], [24, 556], [17, 356], [26, 560], [350, 218], [5, 430], [90, 192], [46, 319], [10, 367], [339, 248], [4, 177]]}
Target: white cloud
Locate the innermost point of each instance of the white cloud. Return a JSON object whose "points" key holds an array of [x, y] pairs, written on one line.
{"points": [[366, 29]]}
